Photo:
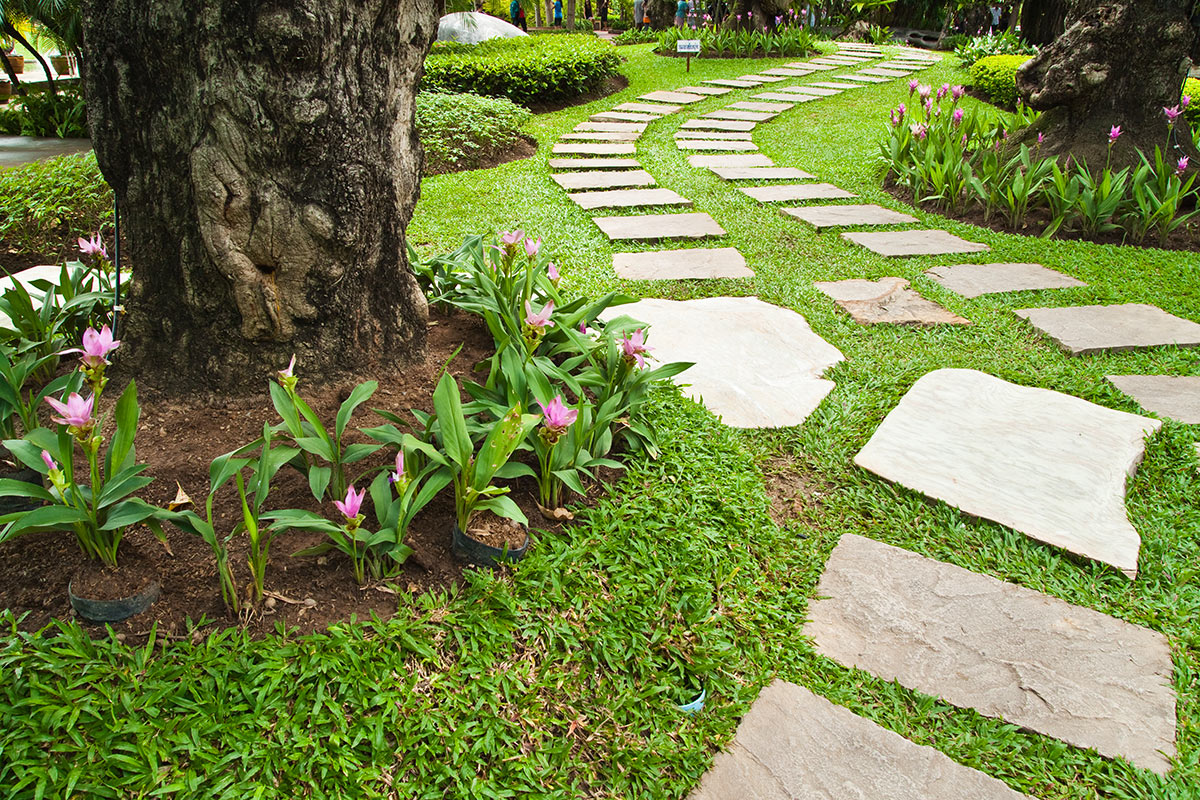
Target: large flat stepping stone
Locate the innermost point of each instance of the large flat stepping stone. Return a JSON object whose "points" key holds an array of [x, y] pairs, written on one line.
{"points": [[626, 127], [731, 160], [756, 365], [594, 163], [601, 136], [1047, 464], [812, 88], [710, 90], [690, 264], [729, 136], [834, 85], [650, 227], [887, 301], [822, 217], [1080, 330], [751, 116], [718, 125], [884, 73], [761, 78], [593, 149], [605, 179], [862, 78], [761, 173], [973, 280], [792, 192], [787, 72], [906, 66], [711, 144], [1176, 397], [1004, 650], [623, 116], [682, 98], [813, 66], [629, 198], [736, 84], [753, 106], [789, 97], [796, 745], [913, 243], [648, 108]]}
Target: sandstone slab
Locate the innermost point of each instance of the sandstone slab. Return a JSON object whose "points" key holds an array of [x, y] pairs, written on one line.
{"points": [[788, 72], [973, 280], [593, 149], [601, 136], [756, 365], [821, 217], [612, 127], [718, 125], [1176, 397], [736, 84], [593, 163], [753, 106], [813, 66], [682, 98], [812, 88], [690, 264], [761, 78], [648, 108], [792, 192], [714, 144], [710, 90], [1004, 650], [731, 160], [623, 116], [885, 73], [629, 198], [602, 179], [796, 745], [1081, 330], [761, 173], [729, 136], [1047, 464], [650, 227], [786, 96], [835, 85], [837, 63], [862, 78], [913, 243], [887, 301], [749, 116]]}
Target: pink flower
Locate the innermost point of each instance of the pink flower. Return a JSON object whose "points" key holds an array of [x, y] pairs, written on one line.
{"points": [[557, 417], [964, 141], [635, 347], [1185, 101], [912, 86], [76, 412], [943, 90], [540, 320], [1172, 114], [398, 475], [1182, 166], [511, 238], [958, 116], [583, 328], [957, 92], [93, 246], [1041, 138], [924, 92], [532, 246], [353, 502], [96, 347], [48, 460], [552, 272], [1114, 134], [919, 130]]}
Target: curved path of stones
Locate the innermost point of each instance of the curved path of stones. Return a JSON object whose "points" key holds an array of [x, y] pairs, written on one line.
{"points": [[1047, 464]]}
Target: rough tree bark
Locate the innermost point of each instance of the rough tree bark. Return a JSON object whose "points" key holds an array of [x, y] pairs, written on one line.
{"points": [[1120, 62], [1043, 21], [266, 163]]}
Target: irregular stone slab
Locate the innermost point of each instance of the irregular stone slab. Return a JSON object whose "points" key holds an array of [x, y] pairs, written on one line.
{"points": [[913, 243], [906, 66], [752, 106], [593, 149], [709, 144], [756, 365], [821, 217], [812, 88], [612, 127], [835, 85], [788, 72], [761, 173], [1043, 463], [789, 97], [682, 98], [1176, 397], [1080, 330], [862, 78], [1004, 650], [648, 108], [752, 116], [884, 73], [623, 116], [741, 160], [711, 90], [593, 163], [649, 227], [601, 136], [841, 62], [606, 179], [812, 66], [760, 78], [796, 191], [736, 84], [732, 136], [719, 124], [796, 745], [691, 264], [973, 280], [887, 301], [629, 198]]}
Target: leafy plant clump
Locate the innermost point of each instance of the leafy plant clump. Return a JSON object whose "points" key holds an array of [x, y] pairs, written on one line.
{"points": [[1191, 111], [996, 77], [972, 48], [43, 114], [459, 131], [635, 36], [527, 70], [47, 202], [785, 40]]}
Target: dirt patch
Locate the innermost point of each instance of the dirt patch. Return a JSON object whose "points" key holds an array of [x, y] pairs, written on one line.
{"points": [[793, 490], [611, 85], [524, 147]]}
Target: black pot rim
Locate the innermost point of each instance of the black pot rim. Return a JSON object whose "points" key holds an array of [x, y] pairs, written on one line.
{"points": [[114, 610], [472, 550]]}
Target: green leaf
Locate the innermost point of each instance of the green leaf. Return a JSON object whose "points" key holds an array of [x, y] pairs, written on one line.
{"points": [[503, 506], [448, 406], [120, 451], [127, 512], [358, 451], [45, 518], [13, 488], [318, 481], [359, 395], [570, 479], [319, 447]]}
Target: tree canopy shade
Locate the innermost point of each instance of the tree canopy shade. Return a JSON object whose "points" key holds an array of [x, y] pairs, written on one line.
{"points": [[266, 163]]}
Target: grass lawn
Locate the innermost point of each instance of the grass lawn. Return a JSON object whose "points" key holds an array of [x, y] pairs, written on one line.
{"points": [[560, 680]]}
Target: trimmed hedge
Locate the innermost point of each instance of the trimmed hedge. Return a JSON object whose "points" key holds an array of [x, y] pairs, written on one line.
{"points": [[458, 131], [1191, 88], [528, 70], [996, 77]]}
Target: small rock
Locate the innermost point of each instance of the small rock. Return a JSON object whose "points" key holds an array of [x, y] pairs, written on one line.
{"points": [[322, 561], [310, 603], [270, 602]]}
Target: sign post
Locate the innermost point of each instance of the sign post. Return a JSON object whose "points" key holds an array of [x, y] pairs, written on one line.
{"points": [[688, 46]]}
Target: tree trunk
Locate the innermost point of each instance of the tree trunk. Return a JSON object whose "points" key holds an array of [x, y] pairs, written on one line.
{"points": [[1043, 21], [266, 163], [570, 18], [1119, 63]]}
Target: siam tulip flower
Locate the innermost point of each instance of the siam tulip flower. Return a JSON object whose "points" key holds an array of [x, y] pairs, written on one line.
{"points": [[1114, 134], [919, 129], [552, 272], [96, 347], [1182, 166], [1185, 101], [48, 460], [924, 91], [351, 505], [957, 92], [912, 86], [75, 413], [963, 143], [532, 246], [1172, 114], [1041, 138], [290, 370], [943, 90], [957, 117], [93, 246], [557, 417], [511, 238], [635, 348], [541, 320], [397, 478], [583, 328]]}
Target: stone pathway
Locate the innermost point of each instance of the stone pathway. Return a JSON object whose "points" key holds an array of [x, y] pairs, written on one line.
{"points": [[1175, 397], [652, 227], [796, 191], [744, 160], [822, 217], [691, 264], [913, 243], [760, 173], [887, 300], [629, 198], [715, 144], [18, 150], [602, 179], [975, 280], [1080, 330], [593, 163]]}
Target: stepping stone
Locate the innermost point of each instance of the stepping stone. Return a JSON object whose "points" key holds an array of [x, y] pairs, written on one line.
{"points": [[761, 78], [812, 66], [711, 90], [593, 149], [629, 198], [690, 264], [788, 73], [601, 136], [821, 217], [1081, 330], [736, 84], [796, 745], [1006, 651], [612, 127], [909, 67], [719, 124], [761, 173], [770, 107], [741, 160], [726, 135], [835, 85], [973, 280], [861, 78], [796, 191], [622, 116], [1175, 397], [647, 108], [649, 227], [594, 163], [841, 62], [745, 116], [884, 73], [913, 243], [1047, 464], [576, 181], [812, 88], [756, 365], [683, 98], [887, 300], [709, 144], [786, 96]]}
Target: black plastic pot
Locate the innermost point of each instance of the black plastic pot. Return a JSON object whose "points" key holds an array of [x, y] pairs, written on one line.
{"points": [[14, 470], [475, 552], [114, 610]]}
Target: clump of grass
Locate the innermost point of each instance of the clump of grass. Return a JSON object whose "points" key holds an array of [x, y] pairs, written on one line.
{"points": [[46, 203], [461, 131]]}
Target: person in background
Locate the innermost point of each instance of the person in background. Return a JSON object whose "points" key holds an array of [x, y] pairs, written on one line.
{"points": [[995, 12], [681, 10], [587, 11], [558, 13], [514, 13], [639, 11], [602, 10]]}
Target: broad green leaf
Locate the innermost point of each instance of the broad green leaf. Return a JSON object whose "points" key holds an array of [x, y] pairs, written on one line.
{"points": [[359, 395]]}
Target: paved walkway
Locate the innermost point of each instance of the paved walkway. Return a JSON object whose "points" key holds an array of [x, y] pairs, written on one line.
{"points": [[17, 150]]}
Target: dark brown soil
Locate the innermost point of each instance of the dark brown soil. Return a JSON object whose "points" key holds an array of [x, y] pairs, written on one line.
{"points": [[611, 85], [794, 492], [524, 147]]}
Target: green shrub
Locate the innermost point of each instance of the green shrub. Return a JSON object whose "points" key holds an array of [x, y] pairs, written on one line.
{"points": [[48, 203], [969, 49], [1191, 88], [460, 130], [784, 41], [634, 36], [996, 77], [43, 114], [527, 70]]}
